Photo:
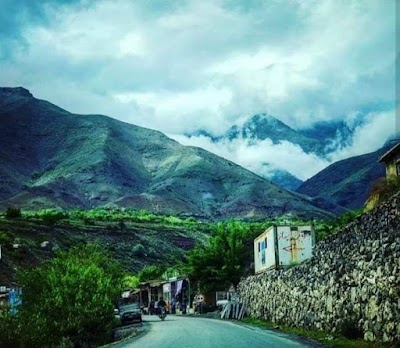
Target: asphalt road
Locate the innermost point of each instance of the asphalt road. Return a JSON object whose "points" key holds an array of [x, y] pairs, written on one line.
{"points": [[183, 332]]}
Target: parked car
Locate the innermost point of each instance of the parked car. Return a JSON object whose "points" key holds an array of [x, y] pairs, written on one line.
{"points": [[130, 313]]}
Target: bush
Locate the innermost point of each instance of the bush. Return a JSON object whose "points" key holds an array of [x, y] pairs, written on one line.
{"points": [[5, 238], [383, 189], [139, 250], [51, 217], [13, 213], [151, 272], [130, 282], [67, 302], [9, 329]]}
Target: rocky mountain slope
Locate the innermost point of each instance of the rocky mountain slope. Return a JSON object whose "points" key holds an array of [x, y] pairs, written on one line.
{"points": [[52, 158], [134, 244], [321, 139], [264, 126], [347, 183]]}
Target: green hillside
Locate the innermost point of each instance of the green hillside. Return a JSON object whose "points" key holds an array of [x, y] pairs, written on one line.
{"points": [[52, 158]]}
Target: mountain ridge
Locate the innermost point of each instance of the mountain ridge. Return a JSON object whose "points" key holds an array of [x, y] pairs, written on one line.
{"points": [[53, 158], [347, 182]]}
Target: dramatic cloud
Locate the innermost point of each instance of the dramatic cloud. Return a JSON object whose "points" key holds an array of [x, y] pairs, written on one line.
{"points": [[263, 156], [178, 66]]}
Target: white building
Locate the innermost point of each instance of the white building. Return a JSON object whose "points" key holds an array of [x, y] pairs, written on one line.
{"points": [[282, 246]]}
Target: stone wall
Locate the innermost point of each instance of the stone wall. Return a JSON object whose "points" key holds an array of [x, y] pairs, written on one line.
{"points": [[352, 281]]}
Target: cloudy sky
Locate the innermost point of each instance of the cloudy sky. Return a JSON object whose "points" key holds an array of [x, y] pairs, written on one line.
{"points": [[178, 66]]}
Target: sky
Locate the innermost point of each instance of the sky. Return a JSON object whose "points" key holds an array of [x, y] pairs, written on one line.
{"points": [[179, 66]]}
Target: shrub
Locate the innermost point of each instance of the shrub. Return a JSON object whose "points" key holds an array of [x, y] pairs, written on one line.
{"points": [[13, 213], [69, 301], [9, 329], [151, 272], [130, 282], [51, 217], [139, 250], [5, 238]]}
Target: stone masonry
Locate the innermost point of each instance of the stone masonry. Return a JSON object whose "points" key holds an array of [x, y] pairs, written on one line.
{"points": [[353, 280]]}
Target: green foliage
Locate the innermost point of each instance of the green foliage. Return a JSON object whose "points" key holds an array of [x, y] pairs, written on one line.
{"points": [[13, 213], [328, 227], [130, 282], [119, 216], [51, 217], [222, 260], [151, 272], [9, 329], [139, 250], [70, 299], [48, 216], [5, 238]]}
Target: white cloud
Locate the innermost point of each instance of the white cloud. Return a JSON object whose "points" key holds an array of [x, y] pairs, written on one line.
{"points": [[369, 136], [264, 156], [179, 66], [260, 156]]}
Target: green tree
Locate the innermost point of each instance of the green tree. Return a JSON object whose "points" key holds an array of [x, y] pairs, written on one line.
{"points": [[151, 272], [69, 299], [13, 213], [130, 282], [223, 260]]}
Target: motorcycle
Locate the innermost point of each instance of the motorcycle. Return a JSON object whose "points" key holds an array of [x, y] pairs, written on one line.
{"points": [[163, 313]]}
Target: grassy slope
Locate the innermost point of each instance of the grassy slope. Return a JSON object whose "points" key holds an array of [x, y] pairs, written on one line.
{"points": [[122, 241], [52, 158]]}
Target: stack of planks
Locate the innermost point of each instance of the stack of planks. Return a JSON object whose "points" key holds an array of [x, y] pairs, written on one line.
{"points": [[233, 310]]}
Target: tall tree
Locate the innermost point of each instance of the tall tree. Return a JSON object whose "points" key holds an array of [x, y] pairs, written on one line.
{"points": [[222, 261]]}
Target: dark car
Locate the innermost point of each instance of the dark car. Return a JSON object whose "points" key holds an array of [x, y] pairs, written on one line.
{"points": [[130, 313]]}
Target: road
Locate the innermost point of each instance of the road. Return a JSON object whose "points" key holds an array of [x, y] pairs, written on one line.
{"points": [[183, 332]]}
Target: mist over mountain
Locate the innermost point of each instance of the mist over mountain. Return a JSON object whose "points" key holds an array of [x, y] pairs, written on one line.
{"points": [[278, 152], [264, 126], [50, 157]]}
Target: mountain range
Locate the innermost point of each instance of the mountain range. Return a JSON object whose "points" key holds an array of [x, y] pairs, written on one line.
{"points": [[50, 157], [322, 139]]}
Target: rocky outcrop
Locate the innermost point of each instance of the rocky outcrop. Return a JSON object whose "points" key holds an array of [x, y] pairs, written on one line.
{"points": [[352, 283]]}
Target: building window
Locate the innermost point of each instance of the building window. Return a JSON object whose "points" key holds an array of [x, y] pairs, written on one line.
{"points": [[263, 252]]}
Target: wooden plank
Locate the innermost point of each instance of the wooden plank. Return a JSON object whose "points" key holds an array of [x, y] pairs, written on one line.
{"points": [[229, 310], [242, 311]]}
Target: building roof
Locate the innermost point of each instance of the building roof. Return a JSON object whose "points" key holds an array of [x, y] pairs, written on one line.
{"points": [[389, 153]]}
